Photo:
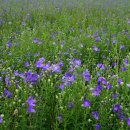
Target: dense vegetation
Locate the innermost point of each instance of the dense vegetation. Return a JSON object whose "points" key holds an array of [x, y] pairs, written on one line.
{"points": [[64, 65]]}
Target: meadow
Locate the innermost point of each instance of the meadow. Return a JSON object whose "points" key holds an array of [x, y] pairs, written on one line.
{"points": [[64, 64]]}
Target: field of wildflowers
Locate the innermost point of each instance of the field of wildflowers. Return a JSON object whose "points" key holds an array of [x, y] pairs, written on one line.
{"points": [[64, 64]]}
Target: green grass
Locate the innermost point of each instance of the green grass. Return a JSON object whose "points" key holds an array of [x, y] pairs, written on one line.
{"points": [[74, 23]]}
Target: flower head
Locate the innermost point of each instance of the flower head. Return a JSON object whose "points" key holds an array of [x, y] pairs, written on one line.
{"points": [[128, 121], [1, 119], [76, 62], [86, 103], [95, 115], [101, 66], [39, 63], [68, 78], [7, 81], [116, 108], [56, 68], [97, 39], [31, 103], [122, 47], [119, 81], [97, 126], [125, 62], [70, 105], [7, 93], [86, 75], [95, 49], [31, 77]]}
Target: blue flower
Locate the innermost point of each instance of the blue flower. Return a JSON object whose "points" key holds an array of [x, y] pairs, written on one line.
{"points": [[97, 39], [76, 62], [128, 121], [97, 126], [86, 103], [56, 68], [7, 93], [119, 81], [1, 119], [101, 66], [108, 86], [116, 108], [31, 77], [122, 47], [31, 103], [95, 115], [61, 86], [95, 49], [125, 62], [68, 78], [70, 105], [86, 75], [7, 81]]}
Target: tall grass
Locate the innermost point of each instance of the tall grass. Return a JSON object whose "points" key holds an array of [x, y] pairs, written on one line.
{"points": [[85, 51]]}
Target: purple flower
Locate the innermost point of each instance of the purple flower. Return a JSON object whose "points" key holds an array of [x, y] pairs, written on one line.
{"points": [[123, 68], [119, 81], [95, 115], [56, 68], [113, 41], [76, 62], [114, 95], [31, 77], [16, 73], [45, 67], [125, 62], [8, 44], [60, 118], [101, 66], [86, 75], [35, 40], [31, 109], [113, 64], [60, 63], [122, 47], [99, 87], [116, 108], [70, 105], [95, 92], [39, 63], [95, 49], [1, 119], [97, 39], [26, 64], [86, 103], [102, 80], [31, 103], [97, 126], [22, 75], [71, 69], [108, 86], [128, 121], [7, 93], [7, 81], [68, 78], [121, 115], [61, 86]]}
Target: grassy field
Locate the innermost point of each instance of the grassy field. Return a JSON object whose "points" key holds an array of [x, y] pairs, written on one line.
{"points": [[65, 65]]}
